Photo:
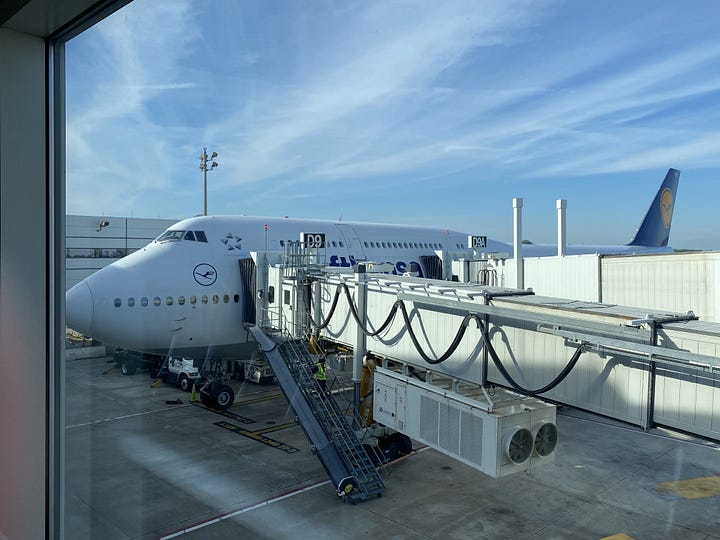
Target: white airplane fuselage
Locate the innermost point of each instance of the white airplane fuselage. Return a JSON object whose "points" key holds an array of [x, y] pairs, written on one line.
{"points": [[182, 294]]}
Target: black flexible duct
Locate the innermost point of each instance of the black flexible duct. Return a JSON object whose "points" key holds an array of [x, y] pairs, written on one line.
{"points": [[399, 304]]}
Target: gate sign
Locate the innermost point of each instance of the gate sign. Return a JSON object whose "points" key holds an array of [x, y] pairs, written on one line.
{"points": [[313, 240], [477, 242]]}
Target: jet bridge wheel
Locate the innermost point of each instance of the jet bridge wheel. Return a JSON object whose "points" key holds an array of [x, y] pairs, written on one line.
{"points": [[207, 400], [223, 397], [127, 367]]}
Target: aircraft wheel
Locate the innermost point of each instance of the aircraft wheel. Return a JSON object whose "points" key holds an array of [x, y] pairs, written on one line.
{"points": [[224, 397], [127, 368], [185, 383]]}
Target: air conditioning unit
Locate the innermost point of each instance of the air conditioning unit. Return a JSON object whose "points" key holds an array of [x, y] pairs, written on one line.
{"points": [[512, 435]]}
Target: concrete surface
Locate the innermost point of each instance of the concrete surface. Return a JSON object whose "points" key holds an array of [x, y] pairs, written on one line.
{"points": [[139, 468]]}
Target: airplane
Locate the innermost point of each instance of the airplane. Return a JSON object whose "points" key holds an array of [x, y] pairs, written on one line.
{"points": [[182, 293]]}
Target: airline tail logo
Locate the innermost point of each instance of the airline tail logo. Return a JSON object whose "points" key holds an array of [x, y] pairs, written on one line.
{"points": [[666, 207]]}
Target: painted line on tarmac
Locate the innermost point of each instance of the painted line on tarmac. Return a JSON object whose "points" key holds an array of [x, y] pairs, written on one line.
{"points": [[95, 422], [243, 510], [266, 502], [257, 436]]}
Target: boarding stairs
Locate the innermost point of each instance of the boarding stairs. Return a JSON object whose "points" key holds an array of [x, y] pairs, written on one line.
{"points": [[325, 424]]}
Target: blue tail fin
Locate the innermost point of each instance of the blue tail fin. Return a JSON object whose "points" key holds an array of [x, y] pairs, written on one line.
{"points": [[655, 228]]}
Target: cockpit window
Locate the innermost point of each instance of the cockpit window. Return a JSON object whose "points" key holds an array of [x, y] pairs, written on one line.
{"points": [[170, 235]]}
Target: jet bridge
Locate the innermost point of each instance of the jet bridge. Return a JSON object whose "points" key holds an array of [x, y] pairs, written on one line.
{"points": [[642, 367]]}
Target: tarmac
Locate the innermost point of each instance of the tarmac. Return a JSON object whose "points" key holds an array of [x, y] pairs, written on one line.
{"points": [[141, 465]]}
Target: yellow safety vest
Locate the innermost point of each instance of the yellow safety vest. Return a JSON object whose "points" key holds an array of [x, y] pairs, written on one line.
{"points": [[320, 375]]}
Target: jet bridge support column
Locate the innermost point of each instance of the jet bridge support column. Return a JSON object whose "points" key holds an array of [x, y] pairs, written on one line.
{"points": [[316, 305], [360, 339]]}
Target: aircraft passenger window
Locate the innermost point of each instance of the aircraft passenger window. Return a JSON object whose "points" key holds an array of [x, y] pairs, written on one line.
{"points": [[216, 298], [169, 301], [131, 302], [236, 298], [189, 236], [118, 302], [144, 301], [334, 243], [341, 244], [157, 301], [366, 244], [204, 299], [395, 244], [181, 300], [383, 244], [282, 243], [193, 300], [226, 298], [200, 235]]}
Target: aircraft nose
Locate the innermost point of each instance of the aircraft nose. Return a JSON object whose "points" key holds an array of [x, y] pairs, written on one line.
{"points": [[79, 308]]}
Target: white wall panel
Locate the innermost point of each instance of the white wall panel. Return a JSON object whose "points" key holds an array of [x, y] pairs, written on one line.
{"points": [[677, 282], [573, 276]]}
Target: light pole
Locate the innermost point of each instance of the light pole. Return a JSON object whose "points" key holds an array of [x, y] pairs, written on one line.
{"points": [[204, 168]]}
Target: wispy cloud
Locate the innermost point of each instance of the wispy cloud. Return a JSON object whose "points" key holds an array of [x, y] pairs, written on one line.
{"points": [[298, 99]]}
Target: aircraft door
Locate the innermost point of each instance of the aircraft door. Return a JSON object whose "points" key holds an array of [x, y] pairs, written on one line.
{"points": [[247, 283], [352, 241]]}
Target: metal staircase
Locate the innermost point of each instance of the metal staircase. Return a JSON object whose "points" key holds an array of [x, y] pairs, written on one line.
{"points": [[326, 426]]}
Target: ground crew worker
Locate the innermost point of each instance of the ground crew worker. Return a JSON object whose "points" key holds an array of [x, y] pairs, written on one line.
{"points": [[320, 374]]}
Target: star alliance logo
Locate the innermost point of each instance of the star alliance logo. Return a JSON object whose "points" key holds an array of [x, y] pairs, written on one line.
{"points": [[232, 242]]}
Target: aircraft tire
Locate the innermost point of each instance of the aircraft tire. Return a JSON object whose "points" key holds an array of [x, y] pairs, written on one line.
{"points": [[185, 383], [224, 397], [207, 400]]}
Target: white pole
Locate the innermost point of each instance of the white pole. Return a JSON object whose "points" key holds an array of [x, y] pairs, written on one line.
{"points": [[517, 241], [561, 205]]}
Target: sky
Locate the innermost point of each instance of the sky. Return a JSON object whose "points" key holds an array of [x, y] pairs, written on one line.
{"points": [[423, 113]]}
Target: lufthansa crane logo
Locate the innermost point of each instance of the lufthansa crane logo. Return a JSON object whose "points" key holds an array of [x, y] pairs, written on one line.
{"points": [[205, 274], [666, 206]]}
